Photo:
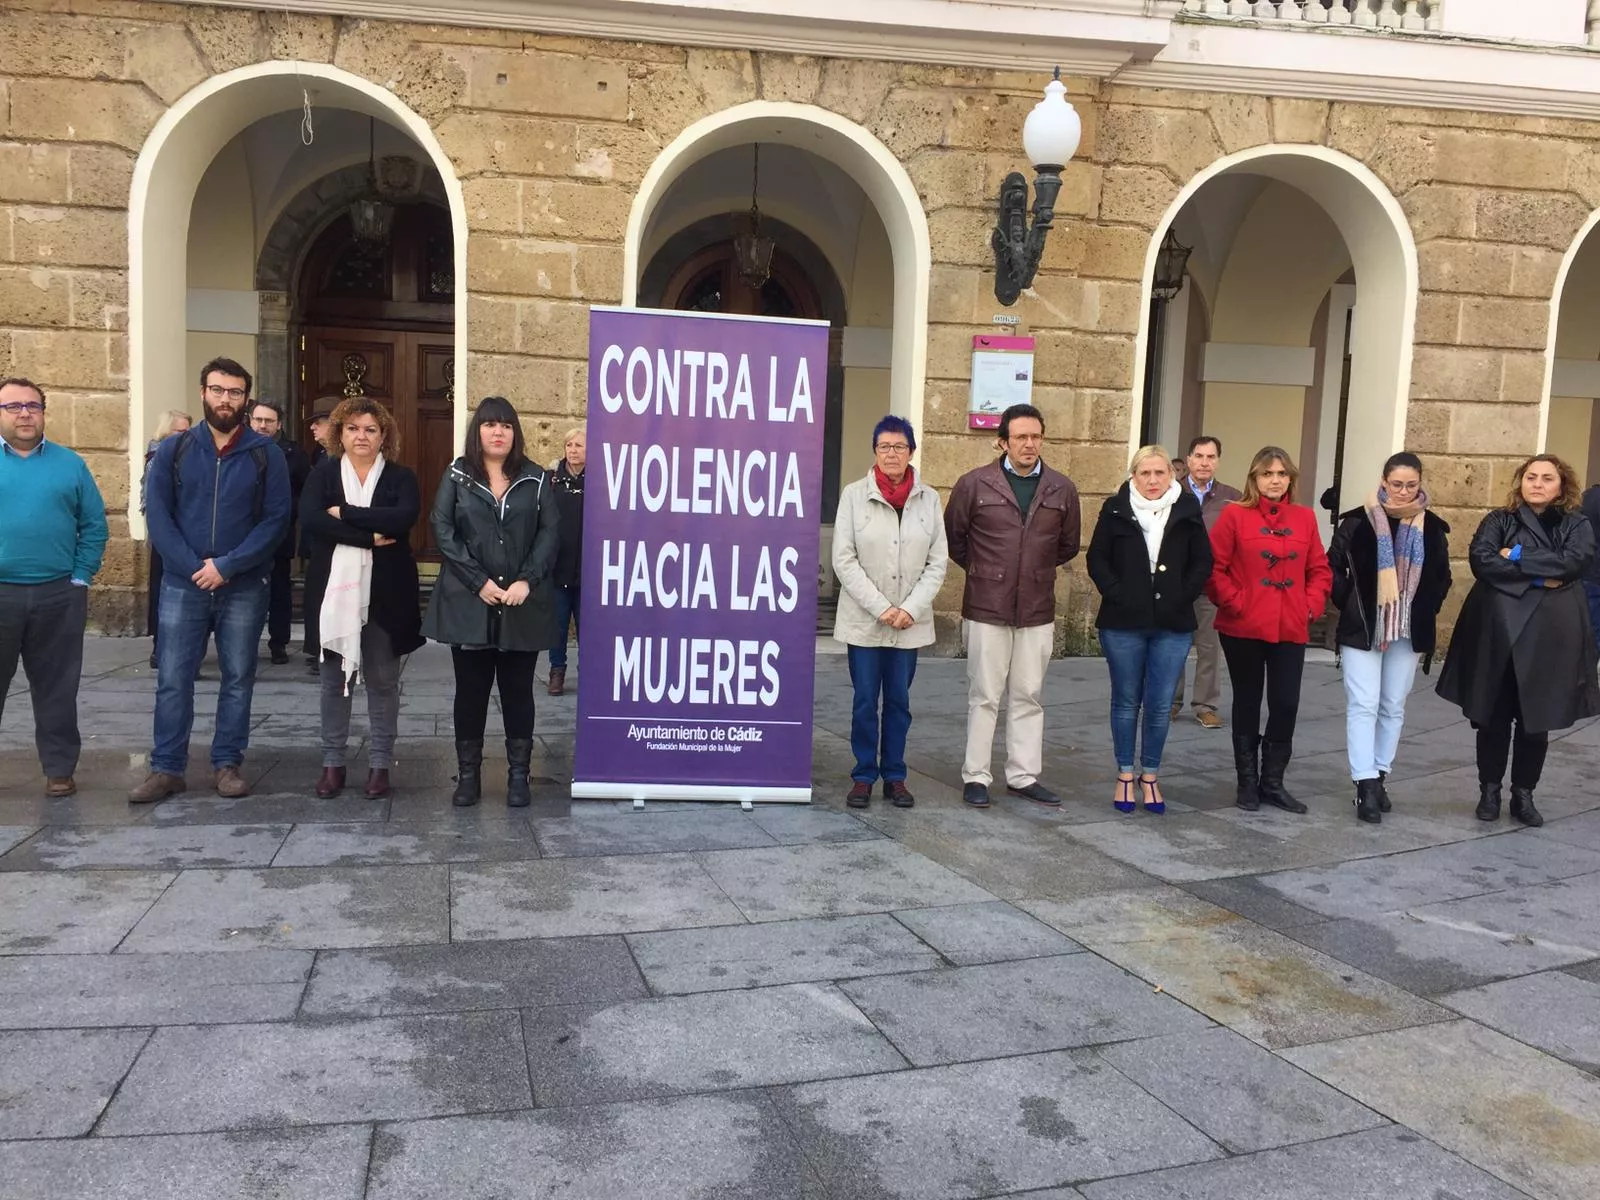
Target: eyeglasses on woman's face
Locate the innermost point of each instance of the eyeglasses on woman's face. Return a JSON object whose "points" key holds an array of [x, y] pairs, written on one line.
{"points": [[892, 448]]}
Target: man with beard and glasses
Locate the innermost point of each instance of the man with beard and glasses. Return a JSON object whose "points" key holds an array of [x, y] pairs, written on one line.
{"points": [[217, 507]]}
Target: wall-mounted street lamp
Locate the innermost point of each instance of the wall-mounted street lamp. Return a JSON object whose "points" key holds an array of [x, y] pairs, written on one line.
{"points": [[1050, 136]]}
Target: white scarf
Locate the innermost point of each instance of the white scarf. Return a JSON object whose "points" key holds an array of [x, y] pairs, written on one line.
{"points": [[1152, 516], [349, 593]]}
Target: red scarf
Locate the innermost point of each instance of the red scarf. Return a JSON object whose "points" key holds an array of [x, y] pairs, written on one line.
{"points": [[895, 493]]}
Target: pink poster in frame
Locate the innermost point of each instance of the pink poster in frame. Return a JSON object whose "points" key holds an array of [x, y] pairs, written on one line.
{"points": [[1002, 375]]}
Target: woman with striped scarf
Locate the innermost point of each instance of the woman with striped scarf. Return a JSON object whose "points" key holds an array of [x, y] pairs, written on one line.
{"points": [[1391, 573]]}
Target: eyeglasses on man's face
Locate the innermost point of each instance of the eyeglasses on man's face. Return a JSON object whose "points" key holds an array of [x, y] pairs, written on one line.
{"points": [[17, 408], [217, 393], [892, 448]]}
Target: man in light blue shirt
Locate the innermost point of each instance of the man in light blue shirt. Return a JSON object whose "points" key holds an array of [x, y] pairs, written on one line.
{"points": [[52, 538]]}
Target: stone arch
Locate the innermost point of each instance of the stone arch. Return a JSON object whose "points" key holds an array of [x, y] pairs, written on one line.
{"points": [[166, 176], [860, 155], [1384, 253], [1557, 295]]}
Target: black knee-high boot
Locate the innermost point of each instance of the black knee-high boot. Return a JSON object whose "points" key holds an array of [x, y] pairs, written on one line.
{"points": [[469, 773], [1246, 752], [1274, 762], [519, 757]]}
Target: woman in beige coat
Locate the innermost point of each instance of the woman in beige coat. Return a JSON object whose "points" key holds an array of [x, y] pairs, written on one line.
{"points": [[889, 554]]}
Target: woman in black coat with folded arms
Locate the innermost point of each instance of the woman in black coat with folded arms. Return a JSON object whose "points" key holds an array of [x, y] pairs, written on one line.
{"points": [[1523, 651], [357, 509]]}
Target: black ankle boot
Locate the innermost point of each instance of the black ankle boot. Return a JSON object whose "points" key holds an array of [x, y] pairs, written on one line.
{"points": [[1522, 808], [1246, 748], [519, 753], [1488, 802], [469, 773], [1369, 807], [1383, 793], [1274, 762]]}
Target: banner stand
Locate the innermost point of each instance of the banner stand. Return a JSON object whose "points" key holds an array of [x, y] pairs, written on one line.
{"points": [[639, 793]]}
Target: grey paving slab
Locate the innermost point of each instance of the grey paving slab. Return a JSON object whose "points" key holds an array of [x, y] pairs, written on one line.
{"points": [[792, 824], [1430, 956], [1580, 830], [965, 1013], [1268, 987], [1553, 1011], [216, 1077], [301, 1164], [1392, 1163], [790, 882], [1399, 881], [1244, 1097], [1526, 1117], [55, 1082], [649, 833], [573, 896], [378, 843], [298, 908], [12, 835], [985, 1129], [969, 934], [199, 807], [48, 991], [1185, 847], [692, 1148], [719, 1040], [777, 952], [1247, 896], [141, 846], [472, 975], [1155, 913], [1564, 915], [100, 808], [46, 912]]}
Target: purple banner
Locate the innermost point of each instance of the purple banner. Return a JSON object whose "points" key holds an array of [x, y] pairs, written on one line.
{"points": [[700, 542]]}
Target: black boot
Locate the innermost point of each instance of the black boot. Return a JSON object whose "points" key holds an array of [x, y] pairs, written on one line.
{"points": [[469, 773], [1488, 802], [1369, 807], [1522, 808], [519, 753], [1383, 793], [1274, 762], [1246, 747]]}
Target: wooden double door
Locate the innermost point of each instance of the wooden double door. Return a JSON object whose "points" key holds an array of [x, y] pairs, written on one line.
{"points": [[412, 373]]}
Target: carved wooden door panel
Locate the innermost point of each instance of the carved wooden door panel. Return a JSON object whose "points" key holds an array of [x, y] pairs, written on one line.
{"points": [[432, 420]]}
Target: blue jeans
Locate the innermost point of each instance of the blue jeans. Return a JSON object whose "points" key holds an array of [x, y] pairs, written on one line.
{"points": [[233, 615], [885, 671], [567, 597], [1376, 686], [1592, 590], [1145, 665]]}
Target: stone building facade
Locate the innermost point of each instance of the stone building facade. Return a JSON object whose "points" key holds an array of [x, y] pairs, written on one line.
{"points": [[550, 138]]}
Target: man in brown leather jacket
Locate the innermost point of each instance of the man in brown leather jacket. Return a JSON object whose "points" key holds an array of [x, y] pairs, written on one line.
{"points": [[1010, 524]]}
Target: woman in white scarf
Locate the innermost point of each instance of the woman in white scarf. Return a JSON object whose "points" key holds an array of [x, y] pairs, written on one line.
{"points": [[359, 505], [1150, 558]]}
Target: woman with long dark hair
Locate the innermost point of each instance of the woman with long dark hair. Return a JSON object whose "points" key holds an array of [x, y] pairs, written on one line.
{"points": [[357, 509], [496, 526], [1391, 573], [1269, 581], [1150, 558], [1523, 651]]}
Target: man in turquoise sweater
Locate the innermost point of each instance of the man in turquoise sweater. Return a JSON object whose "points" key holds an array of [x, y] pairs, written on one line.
{"points": [[52, 537]]}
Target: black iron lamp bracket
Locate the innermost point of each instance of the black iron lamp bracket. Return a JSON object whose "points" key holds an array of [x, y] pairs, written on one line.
{"points": [[1018, 247]]}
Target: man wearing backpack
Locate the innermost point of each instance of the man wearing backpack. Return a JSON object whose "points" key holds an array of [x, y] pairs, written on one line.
{"points": [[217, 508]]}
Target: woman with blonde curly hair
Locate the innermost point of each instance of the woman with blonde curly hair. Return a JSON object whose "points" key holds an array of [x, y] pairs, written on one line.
{"points": [[1523, 651], [358, 507]]}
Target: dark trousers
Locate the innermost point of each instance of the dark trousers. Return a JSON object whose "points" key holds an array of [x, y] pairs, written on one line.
{"points": [[567, 598], [280, 601], [1497, 743], [880, 672], [1273, 669], [42, 624], [477, 672]]}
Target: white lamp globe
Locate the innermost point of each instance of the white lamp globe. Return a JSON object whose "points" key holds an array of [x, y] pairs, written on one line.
{"points": [[1052, 131]]}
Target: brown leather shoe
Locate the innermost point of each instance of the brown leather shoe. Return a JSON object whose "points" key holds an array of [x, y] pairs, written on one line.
{"points": [[558, 681], [59, 787], [158, 785], [378, 782], [1208, 719], [230, 784], [331, 783]]}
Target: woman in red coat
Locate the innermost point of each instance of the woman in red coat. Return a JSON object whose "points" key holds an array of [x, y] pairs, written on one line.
{"points": [[1269, 581]]}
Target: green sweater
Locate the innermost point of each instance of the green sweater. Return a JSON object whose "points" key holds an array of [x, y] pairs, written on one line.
{"points": [[55, 521], [1023, 487]]}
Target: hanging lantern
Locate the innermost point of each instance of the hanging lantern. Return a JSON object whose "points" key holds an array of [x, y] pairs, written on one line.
{"points": [[752, 249], [371, 216]]}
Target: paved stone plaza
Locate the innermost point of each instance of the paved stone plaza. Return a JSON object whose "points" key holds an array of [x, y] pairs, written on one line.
{"points": [[282, 997]]}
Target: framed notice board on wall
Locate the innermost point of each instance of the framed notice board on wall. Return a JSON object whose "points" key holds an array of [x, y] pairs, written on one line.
{"points": [[1002, 375]]}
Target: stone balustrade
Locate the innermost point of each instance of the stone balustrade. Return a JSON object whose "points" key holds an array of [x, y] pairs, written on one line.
{"points": [[1420, 16]]}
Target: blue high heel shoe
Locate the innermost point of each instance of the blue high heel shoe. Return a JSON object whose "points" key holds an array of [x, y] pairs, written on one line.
{"points": [[1124, 789], [1151, 788]]}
